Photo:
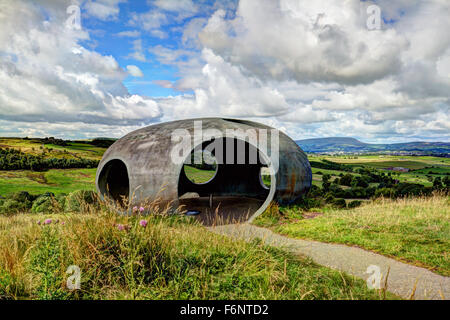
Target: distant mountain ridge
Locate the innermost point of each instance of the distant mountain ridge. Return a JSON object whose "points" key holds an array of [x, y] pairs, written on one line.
{"points": [[352, 145]]}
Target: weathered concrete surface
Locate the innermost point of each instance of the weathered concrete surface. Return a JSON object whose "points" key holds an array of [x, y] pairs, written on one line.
{"points": [[351, 260], [146, 155]]}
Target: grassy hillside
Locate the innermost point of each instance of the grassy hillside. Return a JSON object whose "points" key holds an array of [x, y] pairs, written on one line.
{"points": [[56, 181], [416, 230], [73, 150], [170, 258], [423, 170]]}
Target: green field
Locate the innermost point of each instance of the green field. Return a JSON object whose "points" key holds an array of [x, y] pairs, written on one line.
{"points": [[423, 169], [197, 175], [379, 162], [74, 150], [56, 181]]}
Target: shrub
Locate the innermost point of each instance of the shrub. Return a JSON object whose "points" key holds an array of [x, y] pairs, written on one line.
{"points": [[61, 200], [44, 204], [340, 203], [11, 206], [360, 182], [385, 192], [315, 191], [78, 201], [354, 204], [358, 192], [346, 180], [329, 198], [23, 196]]}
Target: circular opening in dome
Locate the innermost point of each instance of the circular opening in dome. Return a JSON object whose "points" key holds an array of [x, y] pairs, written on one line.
{"points": [[114, 183], [265, 177], [201, 167]]}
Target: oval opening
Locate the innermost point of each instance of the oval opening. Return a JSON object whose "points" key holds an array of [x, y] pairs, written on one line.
{"points": [[202, 167], [114, 183]]}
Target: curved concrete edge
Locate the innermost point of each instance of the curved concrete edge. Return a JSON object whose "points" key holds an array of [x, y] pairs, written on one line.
{"points": [[402, 278]]}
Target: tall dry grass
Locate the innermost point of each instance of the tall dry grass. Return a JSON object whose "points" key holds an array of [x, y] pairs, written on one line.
{"points": [[171, 257]]}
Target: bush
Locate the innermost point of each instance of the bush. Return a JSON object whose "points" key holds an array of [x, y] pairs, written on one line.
{"points": [[354, 204], [385, 192], [76, 201], [346, 180], [340, 203], [329, 198], [360, 182], [11, 206], [44, 204], [61, 200], [11, 159], [23, 196]]}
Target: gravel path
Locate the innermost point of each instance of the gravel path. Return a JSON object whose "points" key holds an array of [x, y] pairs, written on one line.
{"points": [[352, 260]]}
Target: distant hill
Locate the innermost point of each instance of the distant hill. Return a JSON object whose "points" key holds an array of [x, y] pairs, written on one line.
{"points": [[352, 145]]}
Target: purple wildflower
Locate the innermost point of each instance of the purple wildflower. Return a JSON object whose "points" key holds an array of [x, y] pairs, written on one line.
{"points": [[135, 209], [39, 222], [48, 221], [143, 223], [141, 209], [121, 227]]}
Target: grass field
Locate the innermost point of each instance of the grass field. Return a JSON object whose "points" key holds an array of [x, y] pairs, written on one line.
{"points": [[424, 169], [170, 258], [411, 162], [415, 230], [57, 181], [198, 176], [35, 147]]}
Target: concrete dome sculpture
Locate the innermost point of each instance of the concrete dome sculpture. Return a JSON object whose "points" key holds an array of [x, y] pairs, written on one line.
{"points": [[149, 165]]}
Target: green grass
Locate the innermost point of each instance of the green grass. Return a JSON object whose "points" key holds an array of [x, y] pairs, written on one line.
{"points": [[414, 230], [56, 180], [171, 258], [421, 167], [81, 150], [197, 175], [71, 151], [429, 161]]}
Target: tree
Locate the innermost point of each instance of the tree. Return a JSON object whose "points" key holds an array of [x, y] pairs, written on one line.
{"points": [[437, 183], [446, 181], [346, 180]]}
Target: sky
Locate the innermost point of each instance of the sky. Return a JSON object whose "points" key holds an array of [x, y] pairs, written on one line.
{"points": [[309, 68]]}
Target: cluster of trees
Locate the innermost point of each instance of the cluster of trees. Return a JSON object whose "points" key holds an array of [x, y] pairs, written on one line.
{"points": [[102, 142], [11, 159], [370, 184], [54, 141], [330, 165]]}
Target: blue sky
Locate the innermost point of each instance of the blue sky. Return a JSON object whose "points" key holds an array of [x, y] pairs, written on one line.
{"points": [[310, 68], [107, 42]]}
